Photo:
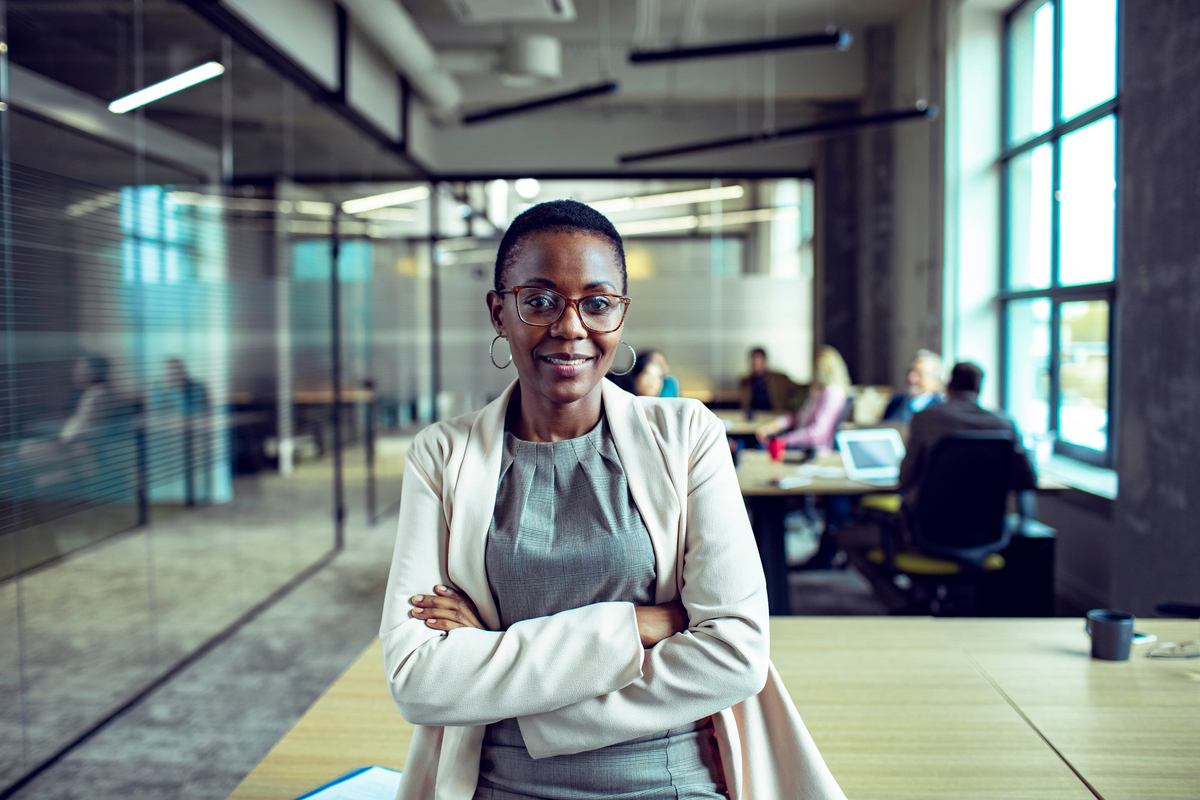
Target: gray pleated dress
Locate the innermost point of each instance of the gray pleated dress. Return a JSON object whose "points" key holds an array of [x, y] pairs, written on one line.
{"points": [[565, 533]]}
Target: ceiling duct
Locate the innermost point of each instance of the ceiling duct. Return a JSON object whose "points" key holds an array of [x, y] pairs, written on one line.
{"points": [[530, 60], [402, 43], [487, 12]]}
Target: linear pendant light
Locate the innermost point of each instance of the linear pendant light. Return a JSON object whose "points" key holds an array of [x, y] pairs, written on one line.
{"points": [[376, 201], [836, 38], [921, 111], [582, 93], [732, 192], [170, 86]]}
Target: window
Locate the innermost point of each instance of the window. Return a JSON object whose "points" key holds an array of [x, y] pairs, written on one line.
{"points": [[1058, 287]]}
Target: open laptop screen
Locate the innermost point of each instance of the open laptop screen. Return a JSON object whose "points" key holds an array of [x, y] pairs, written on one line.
{"points": [[873, 453]]}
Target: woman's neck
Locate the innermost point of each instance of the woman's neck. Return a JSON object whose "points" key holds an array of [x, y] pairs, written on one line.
{"points": [[536, 419]]}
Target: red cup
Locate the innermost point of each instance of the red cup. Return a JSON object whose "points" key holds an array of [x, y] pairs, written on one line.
{"points": [[775, 448]]}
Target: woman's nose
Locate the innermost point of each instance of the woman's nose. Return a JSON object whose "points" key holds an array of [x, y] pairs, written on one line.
{"points": [[569, 325]]}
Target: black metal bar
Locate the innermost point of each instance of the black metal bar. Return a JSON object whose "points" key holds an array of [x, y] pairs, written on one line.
{"points": [[369, 448], [831, 126], [582, 93], [335, 326], [343, 48], [840, 39], [435, 306]]}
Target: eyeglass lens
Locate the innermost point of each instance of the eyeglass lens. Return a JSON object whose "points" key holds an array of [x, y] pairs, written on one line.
{"points": [[600, 313]]}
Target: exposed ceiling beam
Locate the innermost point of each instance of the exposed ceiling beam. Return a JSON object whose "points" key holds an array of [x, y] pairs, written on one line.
{"points": [[840, 39], [921, 111], [484, 115]]}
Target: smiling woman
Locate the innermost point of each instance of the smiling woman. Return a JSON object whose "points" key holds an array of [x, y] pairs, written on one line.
{"points": [[576, 607]]}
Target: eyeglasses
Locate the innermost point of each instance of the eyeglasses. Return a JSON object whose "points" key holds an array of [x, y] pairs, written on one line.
{"points": [[599, 313]]}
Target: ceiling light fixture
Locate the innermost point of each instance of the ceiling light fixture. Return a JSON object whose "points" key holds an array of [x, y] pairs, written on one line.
{"points": [[668, 199], [397, 198], [170, 86], [921, 111], [667, 224], [840, 39], [583, 93]]}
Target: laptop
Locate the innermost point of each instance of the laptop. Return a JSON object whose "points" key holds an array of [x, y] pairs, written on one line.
{"points": [[873, 455]]}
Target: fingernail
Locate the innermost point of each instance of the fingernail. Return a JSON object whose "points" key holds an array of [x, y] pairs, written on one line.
{"points": [[417, 598], [441, 588]]}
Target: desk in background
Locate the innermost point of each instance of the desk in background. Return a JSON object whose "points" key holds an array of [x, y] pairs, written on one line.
{"points": [[900, 707], [758, 478]]}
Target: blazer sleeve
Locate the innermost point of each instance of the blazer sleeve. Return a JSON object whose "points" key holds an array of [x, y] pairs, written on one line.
{"points": [[720, 660], [475, 677]]}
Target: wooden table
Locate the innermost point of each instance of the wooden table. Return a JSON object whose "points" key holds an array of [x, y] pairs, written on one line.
{"points": [[736, 423], [766, 499], [900, 707]]}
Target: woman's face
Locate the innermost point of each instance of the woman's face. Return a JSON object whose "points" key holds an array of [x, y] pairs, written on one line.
{"points": [[565, 361]]}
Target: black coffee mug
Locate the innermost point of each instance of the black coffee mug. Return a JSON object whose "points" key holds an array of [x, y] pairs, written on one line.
{"points": [[1112, 633]]}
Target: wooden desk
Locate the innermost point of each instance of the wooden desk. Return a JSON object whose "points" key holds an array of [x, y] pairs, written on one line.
{"points": [[900, 707], [767, 503]]}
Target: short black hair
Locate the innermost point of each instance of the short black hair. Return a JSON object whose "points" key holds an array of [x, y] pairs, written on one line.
{"points": [[758, 351], [557, 215], [965, 377]]}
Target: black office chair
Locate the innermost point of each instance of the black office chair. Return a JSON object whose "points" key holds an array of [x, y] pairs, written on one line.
{"points": [[958, 525]]}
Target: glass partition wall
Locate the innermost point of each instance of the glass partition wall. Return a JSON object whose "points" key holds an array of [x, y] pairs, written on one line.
{"points": [[166, 405]]}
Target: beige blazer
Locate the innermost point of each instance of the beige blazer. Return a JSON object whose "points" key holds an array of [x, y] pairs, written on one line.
{"points": [[580, 680]]}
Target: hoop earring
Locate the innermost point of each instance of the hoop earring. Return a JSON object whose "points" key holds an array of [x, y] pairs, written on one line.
{"points": [[492, 355], [631, 352]]}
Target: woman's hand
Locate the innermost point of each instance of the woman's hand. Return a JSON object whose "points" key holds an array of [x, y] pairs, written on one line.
{"points": [[659, 622], [765, 432], [445, 610]]}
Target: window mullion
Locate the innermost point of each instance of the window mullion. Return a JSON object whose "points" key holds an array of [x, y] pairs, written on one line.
{"points": [[1055, 345]]}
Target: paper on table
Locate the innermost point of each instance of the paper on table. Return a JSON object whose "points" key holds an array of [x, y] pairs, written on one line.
{"points": [[373, 783], [822, 471]]}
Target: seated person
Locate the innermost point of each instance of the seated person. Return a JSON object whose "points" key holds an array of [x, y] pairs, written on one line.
{"points": [[648, 377], [763, 390], [815, 424], [924, 388], [961, 412], [670, 384]]}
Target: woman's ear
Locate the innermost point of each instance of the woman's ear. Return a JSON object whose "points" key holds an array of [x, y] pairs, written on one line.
{"points": [[495, 303]]}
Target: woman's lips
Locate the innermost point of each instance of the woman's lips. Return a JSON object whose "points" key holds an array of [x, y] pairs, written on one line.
{"points": [[567, 366]]}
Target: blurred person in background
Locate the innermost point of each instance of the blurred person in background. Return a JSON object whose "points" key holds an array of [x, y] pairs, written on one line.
{"points": [[923, 389], [649, 377], [763, 390], [813, 426]]}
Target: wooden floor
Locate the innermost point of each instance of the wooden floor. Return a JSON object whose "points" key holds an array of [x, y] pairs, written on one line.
{"points": [[900, 707]]}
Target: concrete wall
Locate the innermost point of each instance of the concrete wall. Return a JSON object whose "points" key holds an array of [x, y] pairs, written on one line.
{"points": [[1156, 550]]}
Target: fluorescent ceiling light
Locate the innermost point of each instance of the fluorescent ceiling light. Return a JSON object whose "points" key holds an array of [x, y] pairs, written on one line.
{"points": [[667, 224], [669, 199], [390, 214], [409, 195], [658, 225], [527, 187], [170, 86]]}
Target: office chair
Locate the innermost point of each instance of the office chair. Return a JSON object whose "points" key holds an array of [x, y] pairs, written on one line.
{"points": [[958, 525]]}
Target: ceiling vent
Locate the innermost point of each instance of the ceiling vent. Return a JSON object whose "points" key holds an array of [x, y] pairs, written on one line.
{"points": [[481, 12]]}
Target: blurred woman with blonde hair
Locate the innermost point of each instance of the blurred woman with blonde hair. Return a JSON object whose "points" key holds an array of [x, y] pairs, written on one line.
{"points": [[813, 426]]}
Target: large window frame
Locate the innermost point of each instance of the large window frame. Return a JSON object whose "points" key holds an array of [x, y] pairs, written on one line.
{"points": [[1056, 293]]}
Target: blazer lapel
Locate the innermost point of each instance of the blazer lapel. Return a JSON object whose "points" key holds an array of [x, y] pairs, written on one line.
{"points": [[649, 481], [474, 503]]}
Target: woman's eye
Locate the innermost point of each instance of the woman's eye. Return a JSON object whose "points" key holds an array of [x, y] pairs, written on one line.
{"points": [[539, 302], [597, 304]]}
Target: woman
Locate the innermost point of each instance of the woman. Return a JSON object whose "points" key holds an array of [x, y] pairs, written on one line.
{"points": [[575, 600], [815, 424]]}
